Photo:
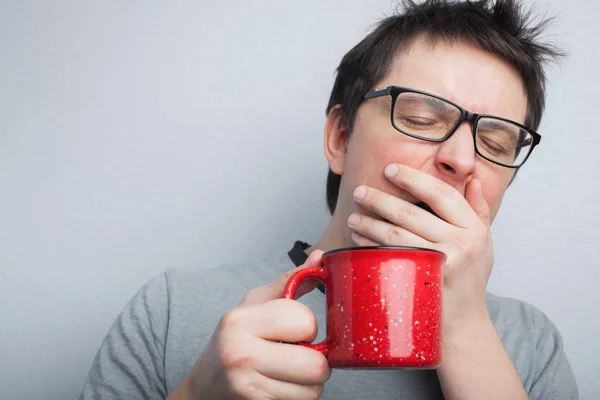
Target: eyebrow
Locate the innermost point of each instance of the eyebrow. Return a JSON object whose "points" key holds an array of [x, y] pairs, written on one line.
{"points": [[502, 125], [439, 105], [505, 126]]}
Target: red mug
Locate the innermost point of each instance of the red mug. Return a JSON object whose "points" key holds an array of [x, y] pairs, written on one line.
{"points": [[384, 306]]}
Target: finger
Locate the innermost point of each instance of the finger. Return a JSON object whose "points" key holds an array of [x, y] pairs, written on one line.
{"points": [[274, 290], [474, 196], [363, 241], [403, 213], [292, 363], [255, 386], [384, 232], [280, 320], [447, 202]]}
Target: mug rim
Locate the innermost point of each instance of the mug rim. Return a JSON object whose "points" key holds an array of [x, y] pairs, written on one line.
{"points": [[357, 248]]}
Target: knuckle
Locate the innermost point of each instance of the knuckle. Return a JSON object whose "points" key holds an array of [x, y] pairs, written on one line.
{"points": [[483, 234], [465, 246], [394, 234], [485, 212], [286, 277], [251, 296], [255, 390], [232, 320], [375, 198], [248, 297], [405, 213], [240, 386], [235, 357]]}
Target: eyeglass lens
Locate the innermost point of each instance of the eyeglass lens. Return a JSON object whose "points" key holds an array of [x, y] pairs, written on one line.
{"points": [[428, 117]]}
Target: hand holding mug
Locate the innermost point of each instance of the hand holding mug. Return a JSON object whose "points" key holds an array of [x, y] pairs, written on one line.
{"points": [[246, 357]]}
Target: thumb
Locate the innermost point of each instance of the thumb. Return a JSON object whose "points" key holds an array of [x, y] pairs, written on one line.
{"points": [[274, 290], [474, 196]]}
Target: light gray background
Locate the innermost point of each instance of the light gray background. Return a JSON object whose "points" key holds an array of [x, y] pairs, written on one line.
{"points": [[121, 155]]}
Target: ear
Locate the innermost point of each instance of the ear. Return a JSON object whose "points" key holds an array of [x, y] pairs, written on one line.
{"points": [[336, 141]]}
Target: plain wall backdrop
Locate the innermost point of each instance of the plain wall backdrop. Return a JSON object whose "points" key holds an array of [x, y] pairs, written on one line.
{"points": [[141, 135]]}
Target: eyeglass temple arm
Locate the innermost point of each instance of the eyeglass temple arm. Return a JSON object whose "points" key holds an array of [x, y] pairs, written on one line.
{"points": [[378, 92]]}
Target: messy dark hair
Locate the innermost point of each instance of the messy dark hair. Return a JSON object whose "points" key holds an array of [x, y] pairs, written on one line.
{"points": [[500, 27]]}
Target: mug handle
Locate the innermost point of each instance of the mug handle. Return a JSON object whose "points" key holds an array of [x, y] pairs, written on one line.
{"points": [[289, 292]]}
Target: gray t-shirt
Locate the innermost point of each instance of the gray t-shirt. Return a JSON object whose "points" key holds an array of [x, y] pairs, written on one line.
{"points": [[161, 332]]}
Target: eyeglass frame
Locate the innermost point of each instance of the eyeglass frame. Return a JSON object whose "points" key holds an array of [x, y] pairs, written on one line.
{"points": [[465, 115]]}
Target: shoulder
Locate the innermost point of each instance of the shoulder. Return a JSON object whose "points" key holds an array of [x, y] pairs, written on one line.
{"points": [[161, 331], [513, 317], [535, 347], [218, 281], [523, 328]]}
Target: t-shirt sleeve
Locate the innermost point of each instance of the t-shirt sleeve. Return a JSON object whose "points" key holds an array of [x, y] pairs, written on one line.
{"points": [[130, 362], [553, 379]]}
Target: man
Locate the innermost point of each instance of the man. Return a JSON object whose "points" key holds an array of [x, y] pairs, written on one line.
{"points": [[429, 119]]}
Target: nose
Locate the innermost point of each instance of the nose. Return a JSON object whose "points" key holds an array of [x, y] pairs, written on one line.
{"points": [[455, 158]]}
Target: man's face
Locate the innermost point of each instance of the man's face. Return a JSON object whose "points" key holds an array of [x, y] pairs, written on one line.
{"points": [[461, 73]]}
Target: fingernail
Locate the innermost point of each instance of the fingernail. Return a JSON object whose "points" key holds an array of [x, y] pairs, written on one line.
{"points": [[360, 192], [391, 170], [355, 236], [354, 220]]}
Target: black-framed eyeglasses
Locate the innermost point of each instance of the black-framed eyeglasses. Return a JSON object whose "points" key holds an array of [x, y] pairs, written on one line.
{"points": [[432, 118]]}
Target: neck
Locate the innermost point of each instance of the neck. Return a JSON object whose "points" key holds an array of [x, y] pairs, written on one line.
{"points": [[337, 235]]}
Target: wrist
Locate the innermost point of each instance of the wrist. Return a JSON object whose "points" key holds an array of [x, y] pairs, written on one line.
{"points": [[464, 313], [463, 334], [475, 363]]}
